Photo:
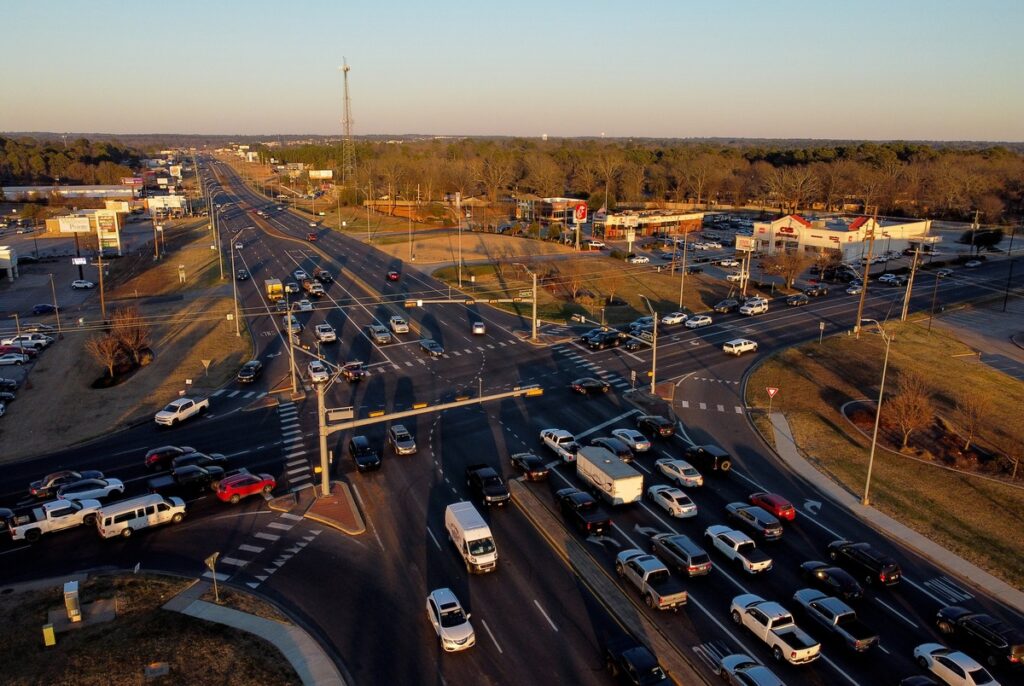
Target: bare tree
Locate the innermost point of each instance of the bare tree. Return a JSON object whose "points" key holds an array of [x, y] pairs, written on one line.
{"points": [[571, 276], [971, 410], [497, 173], [613, 280], [106, 350], [911, 407], [544, 175], [130, 331], [609, 165], [634, 176], [788, 265], [792, 186]]}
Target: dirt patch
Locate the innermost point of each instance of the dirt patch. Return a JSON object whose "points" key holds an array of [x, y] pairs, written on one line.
{"points": [[115, 653]]}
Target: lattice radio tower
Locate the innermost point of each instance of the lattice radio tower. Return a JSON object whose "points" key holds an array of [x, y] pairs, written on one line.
{"points": [[348, 150]]}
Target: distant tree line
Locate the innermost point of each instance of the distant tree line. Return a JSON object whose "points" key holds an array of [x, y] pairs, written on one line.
{"points": [[28, 161], [915, 179]]}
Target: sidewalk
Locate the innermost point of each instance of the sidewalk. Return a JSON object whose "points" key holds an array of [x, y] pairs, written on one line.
{"points": [[788, 452], [304, 654]]}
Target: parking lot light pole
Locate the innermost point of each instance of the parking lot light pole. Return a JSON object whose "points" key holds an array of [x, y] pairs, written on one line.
{"points": [[654, 342], [878, 410]]}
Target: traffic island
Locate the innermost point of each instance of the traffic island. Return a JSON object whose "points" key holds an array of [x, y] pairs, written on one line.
{"points": [[337, 510]]}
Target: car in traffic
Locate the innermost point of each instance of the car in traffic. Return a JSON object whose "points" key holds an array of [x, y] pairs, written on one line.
{"points": [[711, 456], [613, 445], [90, 489], [864, 562], [291, 287], [742, 670], [655, 425], [82, 284], [728, 262], [379, 334], [398, 324], [530, 465], [43, 308], [797, 300], [679, 472], [774, 503], [400, 440], [353, 371], [479, 328], [197, 459], [738, 346], [672, 500], [162, 457], [365, 457], [582, 511], [604, 339], [952, 666], [242, 275], [971, 264], [832, 580], [293, 325], [632, 663], [451, 623], [1001, 644], [47, 486], [393, 276], [674, 318], [726, 306], [755, 519], [698, 321], [300, 275], [816, 290], [249, 372], [325, 333], [854, 289], [590, 386], [943, 273], [233, 488], [318, 372], [681, 553], [431, 347], [636, 441], [302, 305], [639, 259]]}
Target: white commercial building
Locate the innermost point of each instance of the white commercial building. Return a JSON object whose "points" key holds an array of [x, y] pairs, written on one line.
{"points": [[847, 235]]}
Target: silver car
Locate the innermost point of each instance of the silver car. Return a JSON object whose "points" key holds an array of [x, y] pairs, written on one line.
{"points": [[740, 669], [445, 613], [401, 440]]}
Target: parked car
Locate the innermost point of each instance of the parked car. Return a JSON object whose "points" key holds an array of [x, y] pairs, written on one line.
{"points": [[13, 359], [639, 259], [530, 465], [590, 386], [450, 621], [233, 488], [250, 371], [82, 284]]}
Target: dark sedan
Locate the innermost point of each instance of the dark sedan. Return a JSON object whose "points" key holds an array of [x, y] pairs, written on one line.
{"points": [[431, 347], [530, 465], [727, 305], [48, 485], [615, 446], [590, 386], [831, 580], [199, 460], [160, 458], [655, 425], [364, 455], [43, 309], [250, 371], [797, 300]]}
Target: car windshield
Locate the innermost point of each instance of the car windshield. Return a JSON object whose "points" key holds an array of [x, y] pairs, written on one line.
{"points": [[171, 408], [455, 617], [481, 546], [690, 471], [980, 676]]}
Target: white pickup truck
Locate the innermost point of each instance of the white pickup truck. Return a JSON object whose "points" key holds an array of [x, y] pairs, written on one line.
{"points": [[773, 624], [52, 516], [738, 547], [181, 409], [561, 442]]}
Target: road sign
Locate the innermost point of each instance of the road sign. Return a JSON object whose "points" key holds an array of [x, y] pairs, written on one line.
{"points": [[772, 391], [579, 213], [78, 260], [525, 294]]}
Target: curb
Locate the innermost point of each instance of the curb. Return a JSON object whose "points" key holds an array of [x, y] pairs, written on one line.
{"points": [[360, 527]]}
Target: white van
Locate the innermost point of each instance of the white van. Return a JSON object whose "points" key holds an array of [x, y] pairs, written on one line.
{"points": [[471, 536], [125, 517]]}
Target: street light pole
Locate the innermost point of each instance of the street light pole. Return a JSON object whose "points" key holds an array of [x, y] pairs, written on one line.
{"points": [[654, 343], [321, 416], [1009, 276], [878, 411], [682, 270], [56, 310], [458, 211], [234, 294]]}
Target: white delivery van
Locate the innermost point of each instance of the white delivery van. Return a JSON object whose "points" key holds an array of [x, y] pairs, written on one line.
{"points": [[613, 479], [471, 536], [125, 517]]}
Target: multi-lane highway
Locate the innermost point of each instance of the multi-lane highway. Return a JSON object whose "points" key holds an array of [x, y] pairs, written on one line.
{"points": [[536, 621]]}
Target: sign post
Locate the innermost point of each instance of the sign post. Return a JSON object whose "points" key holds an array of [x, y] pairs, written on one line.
{"points": [[579, 216], [211, 564], [771, 395]]}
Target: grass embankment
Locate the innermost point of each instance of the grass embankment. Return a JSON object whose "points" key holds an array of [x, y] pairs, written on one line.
{"points": [[115, 653], [978, 519]]}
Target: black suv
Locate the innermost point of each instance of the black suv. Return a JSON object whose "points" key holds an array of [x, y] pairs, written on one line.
{"points": [[756, 519], [199, 460], [250, 371], [710, 457], [727, 305], [816, 290], [983, 633], [631, 663], [655, 425], [604, 339], [363, 454], [865, 562]]}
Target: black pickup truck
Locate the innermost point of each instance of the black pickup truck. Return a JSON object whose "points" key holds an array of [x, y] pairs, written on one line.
{"points": [[583, 512], [188, 478], [632, 663], [485, 483]]}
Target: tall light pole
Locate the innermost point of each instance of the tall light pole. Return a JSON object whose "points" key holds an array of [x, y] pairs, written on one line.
{"points": [[56, 310], [654, 343], [234, 294], [1009, 276], [458, 211], [533, 325], [682, 270], [878, 409]]}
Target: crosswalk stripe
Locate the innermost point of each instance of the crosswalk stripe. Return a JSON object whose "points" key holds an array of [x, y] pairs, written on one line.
{"points": [[289, 515], [233, 561], [249, 394], [220, 577], [408, 363], [703, 406], [219, 392], [246, 548], [739, 410], [685, 403], [721, 408], [298, 439], [297, 470], [279, 525], [295, 453], [261, 394], [267, 537], [469, 351], [233, 394], [456, 353]]}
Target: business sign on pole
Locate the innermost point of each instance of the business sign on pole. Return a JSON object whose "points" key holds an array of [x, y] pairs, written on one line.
{"points": [[131, 181], [745, 243], [579, 213], [630, 235], [117, 206], [321, 173], [175, 171], [74, 224], [79, 260]]}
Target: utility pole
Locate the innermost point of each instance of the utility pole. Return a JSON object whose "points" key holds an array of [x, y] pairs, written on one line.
{"points": [[533, 331], [458, 211], [234, 294], [321, 417], [910, 284], [870, 235], [682, 270], [1009, 276], [56, 310], [99, 262]]}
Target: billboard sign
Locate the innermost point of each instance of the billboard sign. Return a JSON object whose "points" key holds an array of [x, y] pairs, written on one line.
{"points": [[175, 170], [321, 173], [74, 224], [118, 206], [579, 213], [745, 243], [131, 181]]}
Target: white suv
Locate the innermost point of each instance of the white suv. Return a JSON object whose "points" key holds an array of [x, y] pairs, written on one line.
{"points": [[754, 306], [399, 325], [325, 333], [739, 346]]}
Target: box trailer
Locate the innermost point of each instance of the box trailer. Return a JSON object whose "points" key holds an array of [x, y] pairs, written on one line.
{"points": [[613, 479]]}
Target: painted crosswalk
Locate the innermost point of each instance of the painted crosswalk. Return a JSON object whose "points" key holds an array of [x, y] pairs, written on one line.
{"points": [[244, 395], [712, 652], [948, 589]]}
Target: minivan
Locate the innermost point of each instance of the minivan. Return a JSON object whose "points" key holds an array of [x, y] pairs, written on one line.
{"points": [[125, 517]]}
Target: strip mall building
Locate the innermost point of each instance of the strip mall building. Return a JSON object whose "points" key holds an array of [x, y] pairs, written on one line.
{"points": [[663, 223], [847, 235]]}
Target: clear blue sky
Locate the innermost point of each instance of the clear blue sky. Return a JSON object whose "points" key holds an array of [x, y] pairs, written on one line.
{"points": [[903, 69]]}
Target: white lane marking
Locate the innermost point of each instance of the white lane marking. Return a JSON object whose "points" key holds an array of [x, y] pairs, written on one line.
{"points": [[293, 439], [433, 538], [218, 575], [267, 537], [492, 636], [545, 614], [234, 561], [928, 593], [297, 470], [891, 609], [685, 404], [721, 408], [739, 410], [289, 515], [640, 466], [246, 548], [703, 406], [279, 525], [289, 432], [608, 423], [233, 394]]}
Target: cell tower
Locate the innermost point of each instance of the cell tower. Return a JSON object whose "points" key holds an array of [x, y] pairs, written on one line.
{"points": [[348, 150]]}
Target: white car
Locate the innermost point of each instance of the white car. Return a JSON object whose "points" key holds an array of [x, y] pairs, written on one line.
{"points": [[595, 244], [318, 372], [679, 471], [674, 318], [854, 290], [887, 278], [325, 333], [399, 325], [639, 259], [971, 264], [739, 346], [479, 329], [90, 489], [82, 284], [943, 273], [450, 621], [672, 500], [636, 441], [952, 666], [728, 263], [13, 358], [303, 306], [734, 278], [698, 321], [313, 224]]}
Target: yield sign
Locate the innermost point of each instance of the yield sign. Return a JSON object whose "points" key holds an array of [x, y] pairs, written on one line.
{"points": [[772, 391]]}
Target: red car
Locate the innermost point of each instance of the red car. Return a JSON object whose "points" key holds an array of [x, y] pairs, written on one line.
{"points": [[774, 503], [27, 350], [392, 276], [233, 488], [311, 237]]}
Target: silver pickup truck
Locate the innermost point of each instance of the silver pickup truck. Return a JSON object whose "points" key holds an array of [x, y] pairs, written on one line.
{"points": [[656, 585]]}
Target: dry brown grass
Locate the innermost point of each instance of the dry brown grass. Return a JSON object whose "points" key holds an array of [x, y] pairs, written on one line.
{"points": [[115, 653], [975, 518]]}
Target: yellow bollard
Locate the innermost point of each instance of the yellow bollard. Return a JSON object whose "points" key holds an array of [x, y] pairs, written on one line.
{"points": [[49, 637]]}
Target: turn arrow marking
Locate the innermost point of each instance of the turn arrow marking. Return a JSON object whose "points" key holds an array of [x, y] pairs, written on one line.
{"points": [[813, 507]]}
